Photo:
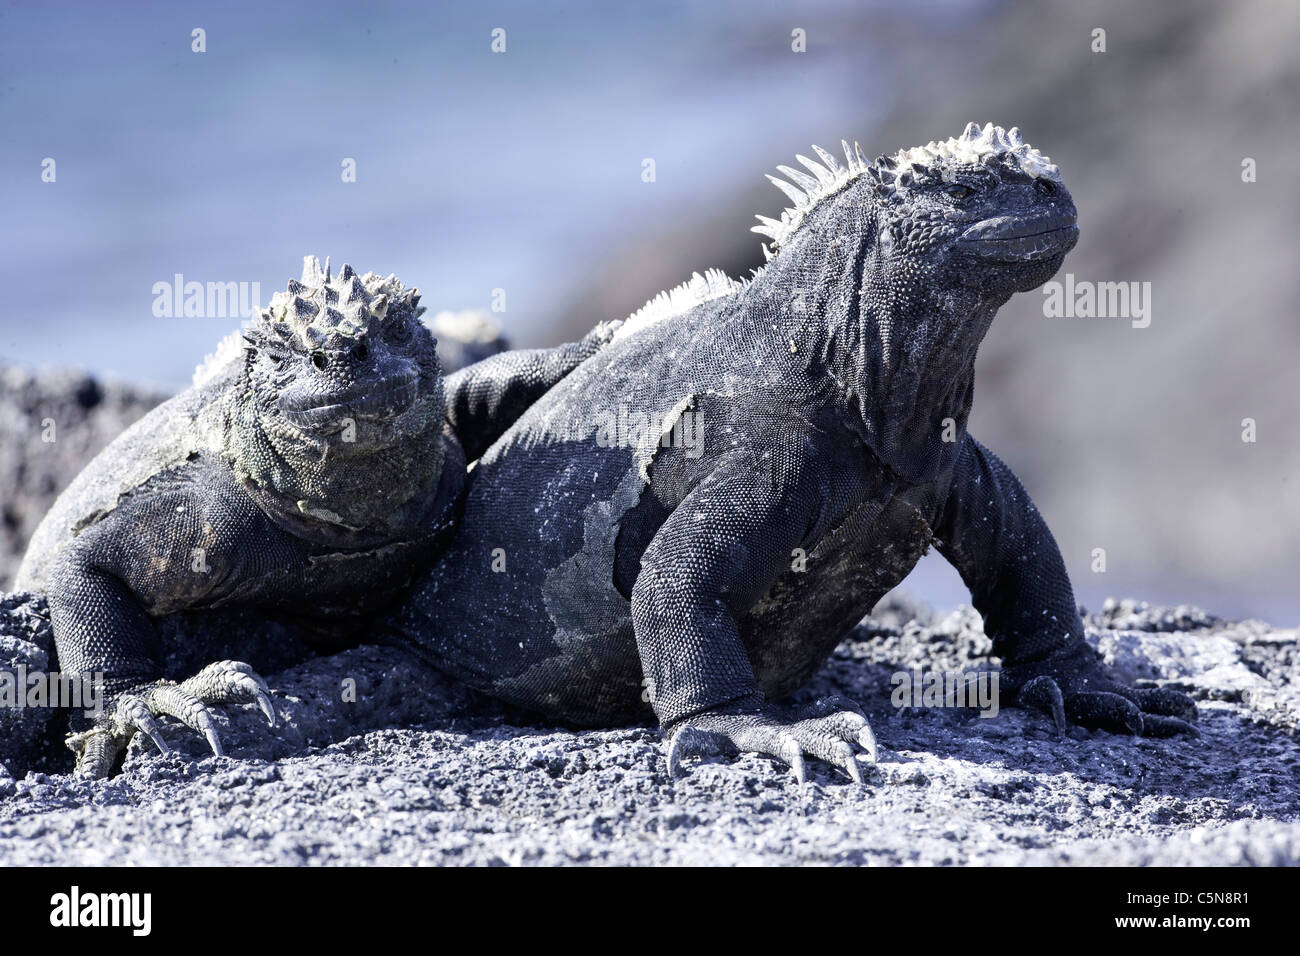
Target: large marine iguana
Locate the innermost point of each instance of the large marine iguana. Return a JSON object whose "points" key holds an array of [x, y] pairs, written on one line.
{"points": [[604, 566], [313, 467]]}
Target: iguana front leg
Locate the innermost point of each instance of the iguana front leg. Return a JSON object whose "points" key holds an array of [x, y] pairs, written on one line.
{"points": [[225, 682], [484, 399], [994, 536], [182, 546], [713, 558]]}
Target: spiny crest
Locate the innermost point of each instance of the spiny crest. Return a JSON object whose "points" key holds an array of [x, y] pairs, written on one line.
{"points": [[977, 146], [713, 284], [317, 307], [988, 145], [828, 178]]}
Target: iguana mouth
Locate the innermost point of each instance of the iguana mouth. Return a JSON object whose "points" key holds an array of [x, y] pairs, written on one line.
{"points": [[375, 403], [1017, 239]]}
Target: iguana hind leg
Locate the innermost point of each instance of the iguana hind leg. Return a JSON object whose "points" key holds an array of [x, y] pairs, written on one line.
{"points": [[224, 682]]}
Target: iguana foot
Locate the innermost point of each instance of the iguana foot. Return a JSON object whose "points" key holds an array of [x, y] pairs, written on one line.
{"points": [[828, 730], [225, 682], [1074, 686]]}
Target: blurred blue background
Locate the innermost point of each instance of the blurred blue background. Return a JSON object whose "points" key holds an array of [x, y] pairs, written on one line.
{"points": [[475, 170], [522, 171]]}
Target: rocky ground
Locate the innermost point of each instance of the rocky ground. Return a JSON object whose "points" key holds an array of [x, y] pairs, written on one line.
{"points": [[416, 769], [419, 770], [52, 423]]}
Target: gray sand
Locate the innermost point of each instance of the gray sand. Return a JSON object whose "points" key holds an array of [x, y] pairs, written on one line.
{"points": [[470, 783]]}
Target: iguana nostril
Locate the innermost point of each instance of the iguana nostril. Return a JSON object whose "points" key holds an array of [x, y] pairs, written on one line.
{"points": [[318, 359], [362, 351]]}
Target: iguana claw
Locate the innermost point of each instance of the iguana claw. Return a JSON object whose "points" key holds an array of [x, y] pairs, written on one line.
{"points": [[230, 682], [224, 682], [1042, 693], [1073, 687], [133, 713], [827, 730]]}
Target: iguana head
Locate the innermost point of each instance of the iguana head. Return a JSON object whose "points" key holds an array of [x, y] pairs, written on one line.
{"points": [[987, 204], [340, 406], [984, 209], [344, 353]]}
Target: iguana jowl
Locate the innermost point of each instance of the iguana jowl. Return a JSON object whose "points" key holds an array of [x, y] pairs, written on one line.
{"points": [[832, 392], [313, 467]]}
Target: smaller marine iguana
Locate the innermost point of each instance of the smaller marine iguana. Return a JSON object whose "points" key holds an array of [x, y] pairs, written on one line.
{"points": [[827, 401], [315, 465]]}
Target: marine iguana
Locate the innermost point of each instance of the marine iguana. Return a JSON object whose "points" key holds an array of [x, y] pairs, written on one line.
{"points": [[314, 465], [606, 567]]}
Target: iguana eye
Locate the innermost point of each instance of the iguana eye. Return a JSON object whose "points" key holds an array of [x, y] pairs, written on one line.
{"points": [[957, 190]]}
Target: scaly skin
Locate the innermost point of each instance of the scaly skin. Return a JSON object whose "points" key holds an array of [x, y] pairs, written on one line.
{"points": [[311, 473], [832, 393]]}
